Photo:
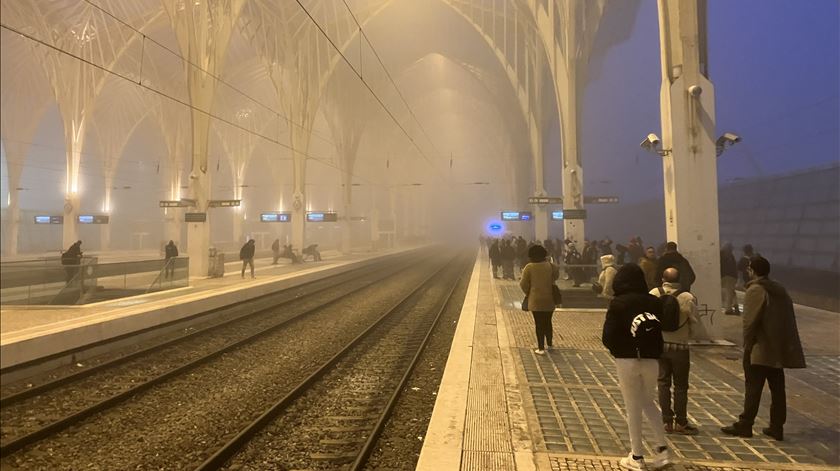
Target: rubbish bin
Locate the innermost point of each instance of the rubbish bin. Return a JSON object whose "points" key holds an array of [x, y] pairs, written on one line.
{"points": [[216, 265]]}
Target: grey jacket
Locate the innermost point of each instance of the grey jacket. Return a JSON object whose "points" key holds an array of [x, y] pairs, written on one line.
{"points": [[771, 337]]}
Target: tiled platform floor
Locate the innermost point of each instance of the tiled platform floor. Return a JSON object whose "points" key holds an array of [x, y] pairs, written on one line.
{"points": [[576, 413]]}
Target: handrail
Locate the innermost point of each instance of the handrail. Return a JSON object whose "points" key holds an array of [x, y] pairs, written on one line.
{"points": [[168, 261]]}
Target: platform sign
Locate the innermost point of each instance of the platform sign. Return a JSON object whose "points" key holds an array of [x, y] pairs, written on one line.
{"points": [[275, 217], [223, 203], [574, 214], [195, 217], [557, 215], [94, 219], [319, 216], [49, 219], [545, 200], [510, 215], [600, 199], [174, 204]]}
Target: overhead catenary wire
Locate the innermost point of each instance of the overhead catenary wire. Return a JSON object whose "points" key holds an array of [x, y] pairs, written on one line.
{"points": [[178, 100]]}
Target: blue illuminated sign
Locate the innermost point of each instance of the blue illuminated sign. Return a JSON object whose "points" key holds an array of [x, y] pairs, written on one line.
{"points": [[495, 229], [318, 216], [510, 215], [557, 215], [275, 217], [525, 216]]}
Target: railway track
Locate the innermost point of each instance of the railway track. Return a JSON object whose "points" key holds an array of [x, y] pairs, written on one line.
{"points": [[70, 399], [346, 402]]}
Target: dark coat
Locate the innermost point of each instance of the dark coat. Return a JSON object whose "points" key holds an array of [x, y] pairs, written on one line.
{"points": [[676, 260], [508, 253], [771, 337], [247, 251], [631, 299], [728, 266], [495, 253], [73, 255], [171, 251]]}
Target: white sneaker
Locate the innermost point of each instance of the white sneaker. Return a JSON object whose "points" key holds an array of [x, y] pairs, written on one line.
{"points": [[628, 462], [661, 459], [539, 351]]}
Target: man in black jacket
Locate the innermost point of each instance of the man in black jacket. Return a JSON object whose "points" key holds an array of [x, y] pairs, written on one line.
{"points": [[633, 336], [171, 252], [246, 254], [673, 259]]}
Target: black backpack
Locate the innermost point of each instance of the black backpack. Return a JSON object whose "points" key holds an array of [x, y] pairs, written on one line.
{"points": [[646, 331], [670, 319]]}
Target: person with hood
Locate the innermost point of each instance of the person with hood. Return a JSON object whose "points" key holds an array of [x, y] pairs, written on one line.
{"points": [[537, 283], [648, 264], [728, 278], [771, 344], [72, 259], [605, 279], [246, 254], [673, 259], [495, 258], [632, 334], [171, 252]]}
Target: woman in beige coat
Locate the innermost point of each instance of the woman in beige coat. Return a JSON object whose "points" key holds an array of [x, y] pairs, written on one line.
{"points": [[537, 280]]}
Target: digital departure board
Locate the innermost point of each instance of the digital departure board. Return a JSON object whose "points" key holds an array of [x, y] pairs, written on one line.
{"points": [[49, 219], [317, 216], [517, 216], [557, 215], [275, 217], [94, 219]]}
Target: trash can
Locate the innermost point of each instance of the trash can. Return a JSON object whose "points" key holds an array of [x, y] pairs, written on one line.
{"points": [[216, 265]]}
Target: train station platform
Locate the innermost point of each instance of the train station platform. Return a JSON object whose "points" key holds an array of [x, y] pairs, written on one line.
{"points": [[501, 406], [31, 334]]}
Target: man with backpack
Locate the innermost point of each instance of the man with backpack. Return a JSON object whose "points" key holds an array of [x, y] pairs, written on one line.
{"points": [[633, 335], [679, 312], [246, 254]]}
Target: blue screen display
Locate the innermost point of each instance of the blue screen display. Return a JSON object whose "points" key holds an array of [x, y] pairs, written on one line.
{"points": [[42, 219], [86, 219], [315, 217], [557, 215], [510, 215]]}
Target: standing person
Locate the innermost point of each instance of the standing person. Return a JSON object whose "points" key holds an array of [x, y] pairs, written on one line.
{"points": [[246, 254], [549, 248], [589, 256], [771, 343], [495, 258], [521, 253], [635, 250], [275, 251], [648, 264], [537, 283], [606, 246], [508, 256], [171, 253], [672, 258], [605, 279], [675, 362], [728, 278], [633, 336], [744, 264], [72, 259]]}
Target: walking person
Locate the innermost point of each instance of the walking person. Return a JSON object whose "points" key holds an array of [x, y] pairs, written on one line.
{"points": [[275, 251], [246, 254], [171, 252], [634, 338], [508, 256], [495, 258], [537, 283], [771, 344], [675, 362], [728, 278]]}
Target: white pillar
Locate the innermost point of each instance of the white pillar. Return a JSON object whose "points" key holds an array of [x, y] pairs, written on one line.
{"points": [[688, 131]]}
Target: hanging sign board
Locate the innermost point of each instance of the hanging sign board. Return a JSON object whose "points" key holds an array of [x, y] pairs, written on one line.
{"points": [[94, 219], [517, 216], [600, 199], [195, 217], [223, 203], [317, 216], [49, 219], [275, 217], [574, 214], [545, 200]]}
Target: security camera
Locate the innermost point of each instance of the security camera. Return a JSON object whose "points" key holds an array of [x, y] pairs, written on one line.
{"points": [[650, 143], [728, 139], [695, 91]]}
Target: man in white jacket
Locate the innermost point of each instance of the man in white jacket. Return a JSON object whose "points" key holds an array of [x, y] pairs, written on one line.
{"points": [[676, 358], [605, 279]]}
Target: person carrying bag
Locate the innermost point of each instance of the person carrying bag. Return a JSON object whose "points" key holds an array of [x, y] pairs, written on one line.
{"points": [[541, 294]]}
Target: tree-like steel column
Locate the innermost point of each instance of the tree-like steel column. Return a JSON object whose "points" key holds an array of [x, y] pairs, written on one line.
{"points": [[688, 136]]}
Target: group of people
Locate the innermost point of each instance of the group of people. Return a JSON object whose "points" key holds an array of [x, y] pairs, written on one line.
{"points": [[651, 318]]}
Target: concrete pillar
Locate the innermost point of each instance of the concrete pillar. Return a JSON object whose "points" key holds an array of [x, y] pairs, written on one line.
{"points": [[74, 141], [539, 212], [105, 237], [374, 228], [10, 241], [238, 223], [198, 233], [688, 138]]}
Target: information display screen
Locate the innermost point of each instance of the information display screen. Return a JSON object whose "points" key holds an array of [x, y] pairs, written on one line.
{"points": [[316, 216], [195, 217], [557, 215], [275, 217], [86, 219], [510, 215], [49, 219], [525, 216]]}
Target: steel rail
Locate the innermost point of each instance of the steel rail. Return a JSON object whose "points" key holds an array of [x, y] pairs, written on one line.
{"points": [[233, 446], [48, 386], [27, 439]]}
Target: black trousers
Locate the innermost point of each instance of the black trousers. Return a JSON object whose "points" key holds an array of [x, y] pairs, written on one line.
{"points": [[542, 322], [674, 366], [754, 379]]}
